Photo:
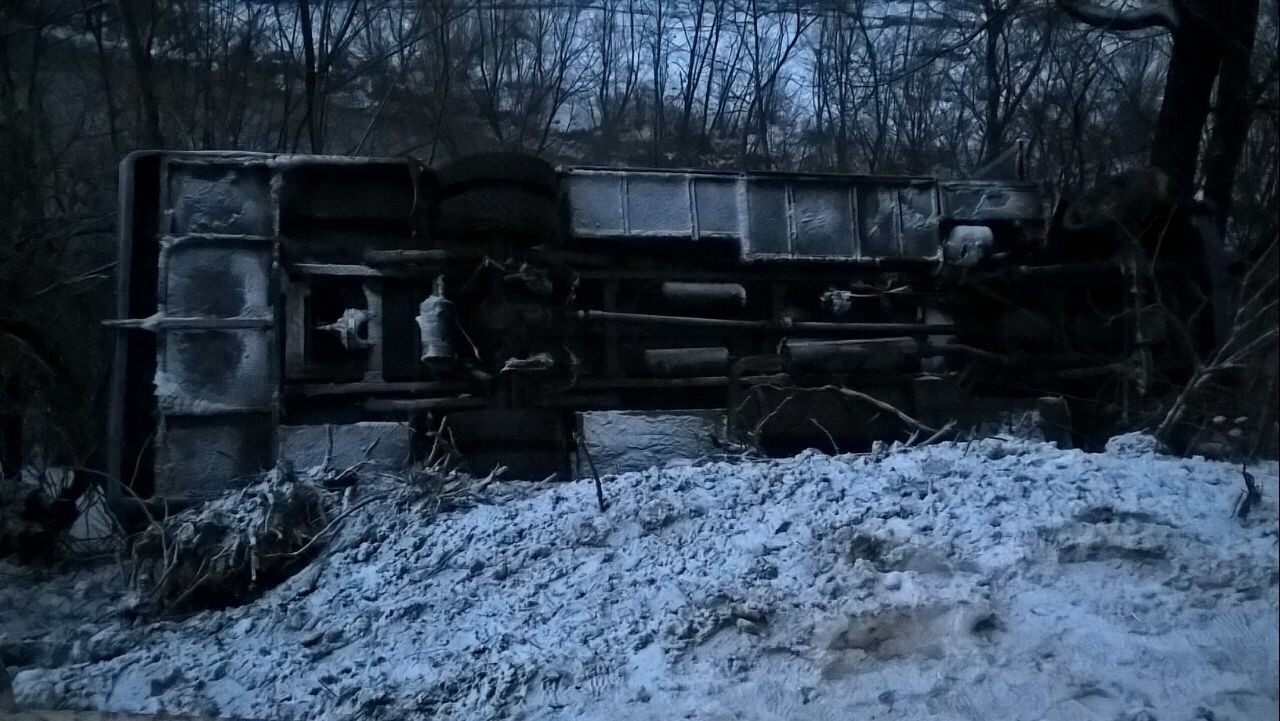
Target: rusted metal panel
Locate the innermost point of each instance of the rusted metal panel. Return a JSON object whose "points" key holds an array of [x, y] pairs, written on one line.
{"points": [[824, 221], [770, 216], [387, 446], [878, 222], [659, 205], [768, 220], [715, 206], [207, 372], [985, 201], [622, 441], [219, 197], [215, 378], [918, 222], [597, 205], [213, 277], [198, 454], [318, 190]]}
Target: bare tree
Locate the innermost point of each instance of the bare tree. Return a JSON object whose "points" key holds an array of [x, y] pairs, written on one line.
{"points": [[772, 37], [1009, 71], [658, 71], [57, 227], [139, 19], [617, 56], [1207, 41]]}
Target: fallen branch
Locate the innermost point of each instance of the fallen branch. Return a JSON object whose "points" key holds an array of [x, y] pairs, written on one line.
{"points": [[882, 405], [916, 425], [228, 550]]}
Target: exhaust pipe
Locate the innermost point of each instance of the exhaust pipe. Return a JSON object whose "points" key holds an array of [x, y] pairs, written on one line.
{"points": [[686, 362], [844, 356], [705, 295]]}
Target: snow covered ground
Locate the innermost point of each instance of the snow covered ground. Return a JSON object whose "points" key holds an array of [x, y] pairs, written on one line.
{"points": [[998, 579]]}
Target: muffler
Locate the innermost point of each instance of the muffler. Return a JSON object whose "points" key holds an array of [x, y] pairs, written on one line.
{"points": [[705, 295], [686, 362], [846, 356]]}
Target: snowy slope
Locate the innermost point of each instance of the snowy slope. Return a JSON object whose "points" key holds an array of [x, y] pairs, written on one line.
{"points": [[999, 579]]}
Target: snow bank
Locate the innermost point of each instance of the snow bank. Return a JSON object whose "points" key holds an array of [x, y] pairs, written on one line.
{"points": [[991, 580]]}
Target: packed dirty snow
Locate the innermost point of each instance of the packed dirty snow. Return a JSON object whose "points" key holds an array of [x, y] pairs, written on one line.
{"points": [[998, 579]]}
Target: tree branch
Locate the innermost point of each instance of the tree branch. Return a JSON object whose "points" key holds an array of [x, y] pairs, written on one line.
{"points": [[1160, 13]]}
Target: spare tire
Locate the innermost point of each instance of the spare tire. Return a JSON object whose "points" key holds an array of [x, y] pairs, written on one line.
{"points": [[511, 214], [500, 170]]}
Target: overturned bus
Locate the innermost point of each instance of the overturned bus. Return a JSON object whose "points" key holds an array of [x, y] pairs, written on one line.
{"points": [[339, 310]]}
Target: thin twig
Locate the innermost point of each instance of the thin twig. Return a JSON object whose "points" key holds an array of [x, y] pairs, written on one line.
{"points": [[435, 443], [859, 395], [944, 430], [755, 432], [1235, 351], [596, 475], [95, 274], [328, 527], [1249, 497], [834, 448]]}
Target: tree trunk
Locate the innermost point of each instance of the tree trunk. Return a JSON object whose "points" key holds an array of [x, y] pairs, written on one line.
{"points": [[1233, 108], [309, 76], [1196, 52], [11, 445], [993, 127], [1202, 34], [140, 54]]}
